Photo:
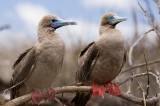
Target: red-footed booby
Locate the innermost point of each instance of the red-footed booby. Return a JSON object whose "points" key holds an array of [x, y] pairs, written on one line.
{"points": [[38, 66], [101, 61]]}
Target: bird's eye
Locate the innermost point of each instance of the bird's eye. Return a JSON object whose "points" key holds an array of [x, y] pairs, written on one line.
{"points": [[110, 18], [54, 20]]}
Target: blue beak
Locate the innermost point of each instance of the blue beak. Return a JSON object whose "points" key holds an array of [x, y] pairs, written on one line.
{"points": [[118, 19], [59, 23]]}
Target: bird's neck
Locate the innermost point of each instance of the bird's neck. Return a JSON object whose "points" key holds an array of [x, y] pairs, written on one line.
{"points": [[46, 34], [105, 28]]}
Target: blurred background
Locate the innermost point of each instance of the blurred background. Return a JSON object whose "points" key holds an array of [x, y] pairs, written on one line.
{"points": [[18, 31]]}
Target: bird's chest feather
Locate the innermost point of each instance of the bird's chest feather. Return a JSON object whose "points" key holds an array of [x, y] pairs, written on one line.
{"points": [[49, 62], [51, 53], [109, 62]]}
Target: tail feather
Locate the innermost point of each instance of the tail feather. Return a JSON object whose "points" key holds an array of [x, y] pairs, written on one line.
{"points": [[81, 98]]}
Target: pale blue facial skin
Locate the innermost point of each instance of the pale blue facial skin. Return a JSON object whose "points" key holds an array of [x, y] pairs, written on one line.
{"points": [[57, 23], [115, 19]]}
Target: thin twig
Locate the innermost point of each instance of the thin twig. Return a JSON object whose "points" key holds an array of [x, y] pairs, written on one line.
{"points": [[139, 75], [149, 20], [144, 99], [140, 65], [13, 87], [148, 78], [130, 60], [143, 91], [149, 31], [146, 14], [158, 4], [129, 87]]}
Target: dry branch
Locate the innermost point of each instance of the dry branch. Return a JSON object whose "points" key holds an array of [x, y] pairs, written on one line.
{"points": [[151, 23], [140, 65], [148, 78], [139, 75], [158, 4], [130, 60], [67, 89], [72, 89]]}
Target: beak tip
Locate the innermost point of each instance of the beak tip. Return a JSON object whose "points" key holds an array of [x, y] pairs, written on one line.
{"points": [[125, 19], [73, 23]]}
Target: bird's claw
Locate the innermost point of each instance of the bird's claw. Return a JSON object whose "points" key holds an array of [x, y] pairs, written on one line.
{"points": [[39, 96], [50, 94], [113, 89], [36, 97], [98, 90]]}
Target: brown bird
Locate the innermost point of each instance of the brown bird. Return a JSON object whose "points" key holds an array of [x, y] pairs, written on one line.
{"points": [[101, 61], [37, 67]]}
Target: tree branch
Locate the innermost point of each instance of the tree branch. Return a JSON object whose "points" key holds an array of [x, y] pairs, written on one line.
{"points": [[72, 89], [158, 4], [139, 75], [140, 65], [67, 89], [130, 60], [149, 19]]}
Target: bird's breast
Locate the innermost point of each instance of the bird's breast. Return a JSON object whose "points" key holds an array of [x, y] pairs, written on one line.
{"points": [[109, 62], [48, 64]]}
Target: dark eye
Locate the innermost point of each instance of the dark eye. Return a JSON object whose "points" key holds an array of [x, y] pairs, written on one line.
{"points": [[110, 18], [54, 20]]}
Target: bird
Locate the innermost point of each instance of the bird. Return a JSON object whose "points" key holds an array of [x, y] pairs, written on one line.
{"points": [[101, 61], [37, 67]]}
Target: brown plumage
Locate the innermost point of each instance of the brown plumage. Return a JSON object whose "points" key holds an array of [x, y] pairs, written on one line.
{"points": [[101, 61], [39, 65]]}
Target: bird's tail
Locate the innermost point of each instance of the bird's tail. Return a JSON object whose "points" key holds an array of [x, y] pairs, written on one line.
{"points": [[81, 98]]}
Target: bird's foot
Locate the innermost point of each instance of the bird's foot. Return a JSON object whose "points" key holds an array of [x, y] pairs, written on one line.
{"points": [[113, 89], [39, 96], [36, 97], [50, 94], [98, 90]]}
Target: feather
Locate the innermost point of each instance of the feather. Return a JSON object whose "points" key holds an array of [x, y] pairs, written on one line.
{"points": [[22, 69]]}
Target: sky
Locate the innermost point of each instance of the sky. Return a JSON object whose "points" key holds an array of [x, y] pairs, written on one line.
{"points": [[23, 17]]}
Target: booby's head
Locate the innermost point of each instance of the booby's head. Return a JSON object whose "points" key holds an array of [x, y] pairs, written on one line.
{"points": [[111, 19], [52, 22]]}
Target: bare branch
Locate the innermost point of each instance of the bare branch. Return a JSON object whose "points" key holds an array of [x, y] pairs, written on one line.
{"points": [[149, 31], [130, 60], [146, 14], [13, 87], [140, 65], [144, 99], [139, 75], [67, 89], [144, 74], [148, 78], [158, 4], [150, 20], [143, 91]]}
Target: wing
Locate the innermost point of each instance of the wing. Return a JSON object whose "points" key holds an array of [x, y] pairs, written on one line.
{"points": [[124, 61], [86, 62], [22, 68]]}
